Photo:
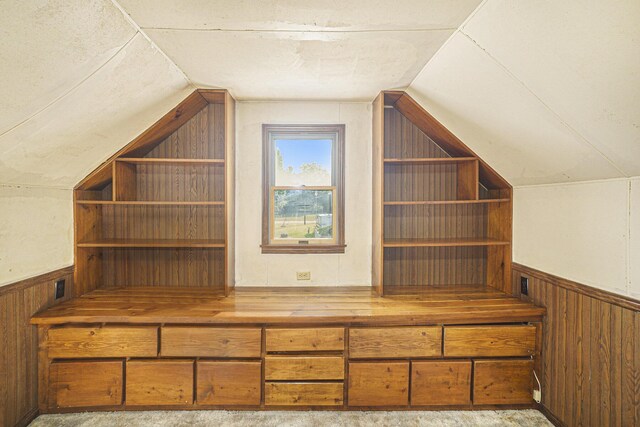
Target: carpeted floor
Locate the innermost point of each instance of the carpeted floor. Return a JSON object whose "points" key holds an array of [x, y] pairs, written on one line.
{"points": [[529, 418]]}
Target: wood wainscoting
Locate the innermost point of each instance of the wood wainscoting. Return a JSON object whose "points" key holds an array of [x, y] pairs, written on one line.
{"points": [[19, 343], [590, 370]]}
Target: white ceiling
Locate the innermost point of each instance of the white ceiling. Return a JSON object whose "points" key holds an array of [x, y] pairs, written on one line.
{"points": [[545, 91], [300, 49]]}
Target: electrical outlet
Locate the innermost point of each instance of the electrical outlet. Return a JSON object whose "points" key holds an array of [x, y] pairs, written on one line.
{"points": [[59, 288], [303, 275], [524, 285]]}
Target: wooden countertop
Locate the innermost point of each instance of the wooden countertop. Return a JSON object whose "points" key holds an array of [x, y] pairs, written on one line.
{"points": [[326, 305]]}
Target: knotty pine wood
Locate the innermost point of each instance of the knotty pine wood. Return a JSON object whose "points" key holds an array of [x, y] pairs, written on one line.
{"points": [[441, 382], [159, 382], [304, 339], [287, 306], [303, 368], [377, 229], [19, 343], [109, 341], [388, 343], [86, 383], [378, 383], [189, 341], [228, 382], [590, 364], [498, 382], [304, 394], [489, 341]]}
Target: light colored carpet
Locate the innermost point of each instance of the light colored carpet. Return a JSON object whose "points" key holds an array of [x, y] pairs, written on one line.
{"points": [[529, 418]]}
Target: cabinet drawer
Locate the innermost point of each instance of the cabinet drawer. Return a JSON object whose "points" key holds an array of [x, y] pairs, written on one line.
{"points": [[378, 384], [304, 368], [75, 384], [107, 341], [229, 383], [303, 394], [186, 341], [305, 339], [410, 341], [489, 341], [441, 382], [498, 382], [159, 382]]}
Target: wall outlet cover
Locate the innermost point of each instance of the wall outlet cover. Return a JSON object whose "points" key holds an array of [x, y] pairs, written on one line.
{"points": [[303, 275], [59, 289], [524, 285]]}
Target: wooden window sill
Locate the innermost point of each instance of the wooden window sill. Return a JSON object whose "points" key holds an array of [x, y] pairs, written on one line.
{"points": [[303, 249]]}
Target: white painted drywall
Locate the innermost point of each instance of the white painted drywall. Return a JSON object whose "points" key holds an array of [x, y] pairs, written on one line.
{"points": [[351, 268], [586, 232], [36, 231]]}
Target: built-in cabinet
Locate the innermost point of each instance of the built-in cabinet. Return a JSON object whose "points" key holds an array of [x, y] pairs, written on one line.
{"points": [[127, 366], [441, 216]]}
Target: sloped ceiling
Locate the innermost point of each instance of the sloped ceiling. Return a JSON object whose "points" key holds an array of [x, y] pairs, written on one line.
{"points": [[545, 91], [78, 81], [300, 49]]}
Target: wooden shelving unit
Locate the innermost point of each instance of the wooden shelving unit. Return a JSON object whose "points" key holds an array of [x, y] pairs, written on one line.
{"points": [[160, 212], [441, 216]]}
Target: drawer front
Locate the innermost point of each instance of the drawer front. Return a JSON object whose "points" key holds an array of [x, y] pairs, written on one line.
{"points": [[159, 382], [229, 383], [107, 341], [303, 394], [378, 384], [305, 339], [500, 382], [294, 368], [77, 384], [413, 341], [185, 341], [489, 341], [441, 382]]}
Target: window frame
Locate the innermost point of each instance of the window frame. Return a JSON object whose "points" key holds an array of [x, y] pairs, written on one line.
{"points": [[270, 133]]}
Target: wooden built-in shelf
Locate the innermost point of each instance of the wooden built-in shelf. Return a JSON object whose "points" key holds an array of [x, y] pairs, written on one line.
{"points": [[147, 203], [171, 161], [445, 202], [153, 243], [414, 243], [431, 160]]}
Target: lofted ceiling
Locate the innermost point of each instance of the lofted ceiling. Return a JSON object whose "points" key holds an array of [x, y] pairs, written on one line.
{"points": [[545, 91]]}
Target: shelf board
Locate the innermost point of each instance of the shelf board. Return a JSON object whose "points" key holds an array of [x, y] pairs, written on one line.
{"points": [[146, 203], [430, 160], [445, 202], [413, 243], [167, 161], [154, 243]]}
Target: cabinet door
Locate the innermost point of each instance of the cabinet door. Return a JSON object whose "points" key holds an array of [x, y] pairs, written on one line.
{"points": [[378, 384], [228, 383], [203, 341], [500, 382], [489, 341], [445, 382], [77, 384], [396, 342], [159, 382], [102, 341]]}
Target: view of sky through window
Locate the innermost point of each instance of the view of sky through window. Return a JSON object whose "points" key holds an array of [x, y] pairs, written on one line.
{"points": [[303, 162]]}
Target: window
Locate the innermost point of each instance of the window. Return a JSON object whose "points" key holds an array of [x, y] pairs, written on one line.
{"points": [[303, 198]]}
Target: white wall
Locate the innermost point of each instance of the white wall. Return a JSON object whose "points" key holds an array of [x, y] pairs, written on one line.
{"points": [[36, 231], [588, 232], [351, 268]]}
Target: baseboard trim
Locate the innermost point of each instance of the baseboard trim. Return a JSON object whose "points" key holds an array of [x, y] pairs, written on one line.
{"points": [[29, 416], [552, 418], [599, 294], [36, 280]]}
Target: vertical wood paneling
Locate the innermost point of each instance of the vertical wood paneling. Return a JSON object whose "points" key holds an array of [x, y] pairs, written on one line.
{"points": [[19, 343], [590, 367]]}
